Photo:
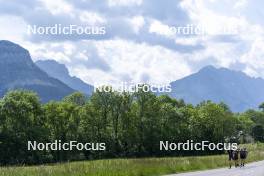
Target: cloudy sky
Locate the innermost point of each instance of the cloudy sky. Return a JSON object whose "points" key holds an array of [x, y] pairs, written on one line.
{"points": [[139, 45]]}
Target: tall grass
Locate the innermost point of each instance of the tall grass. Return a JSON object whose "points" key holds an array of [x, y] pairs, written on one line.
{"points": [[132, 167]]}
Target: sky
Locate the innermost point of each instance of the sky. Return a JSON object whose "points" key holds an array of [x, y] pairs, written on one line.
{"points": [[140, 43]]}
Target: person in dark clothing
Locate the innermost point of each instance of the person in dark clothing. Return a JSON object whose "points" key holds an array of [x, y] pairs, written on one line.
{"points": [[236, 157], [230, 157], [243, 156]]}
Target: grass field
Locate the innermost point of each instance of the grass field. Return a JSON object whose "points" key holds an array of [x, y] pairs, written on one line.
{"points": [[131, 167]]}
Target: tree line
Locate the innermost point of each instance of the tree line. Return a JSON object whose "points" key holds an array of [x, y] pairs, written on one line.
{"points": [[131, 125]]}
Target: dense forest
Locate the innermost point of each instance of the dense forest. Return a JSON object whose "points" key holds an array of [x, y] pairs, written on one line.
{"points": [[131, 125]]}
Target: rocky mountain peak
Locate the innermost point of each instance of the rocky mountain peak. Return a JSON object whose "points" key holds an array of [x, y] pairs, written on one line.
{"points": [[11, 53]]}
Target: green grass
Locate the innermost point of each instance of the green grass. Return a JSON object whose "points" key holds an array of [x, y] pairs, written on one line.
{"points": [[131, 167]]}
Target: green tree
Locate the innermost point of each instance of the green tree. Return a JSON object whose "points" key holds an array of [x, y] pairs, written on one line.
{"points": [[63, 122], [258, 133], [76, 98], [147, 122], [261, 107], [214, 122], [21, 121]]}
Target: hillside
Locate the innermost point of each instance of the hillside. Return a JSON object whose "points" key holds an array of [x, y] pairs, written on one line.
{"points": [[60, 72], [234, 88], [18, 71]]}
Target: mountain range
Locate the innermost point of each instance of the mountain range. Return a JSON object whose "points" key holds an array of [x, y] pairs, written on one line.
{"points": [[18, 71], [52, 81], [59, 71], [238, 90]]}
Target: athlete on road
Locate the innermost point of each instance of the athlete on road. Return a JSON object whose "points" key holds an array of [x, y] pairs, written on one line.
{"points": [[230, 157], [236, 157], [243, 156]]}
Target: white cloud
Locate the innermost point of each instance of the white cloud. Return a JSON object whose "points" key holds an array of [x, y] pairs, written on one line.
{"points": [[214, 15], [137, 23], [129, 62], [124, 2], [241, 4], [12, 28], [254, 59], [159, 28], [60, 52], [148, 48], [211, 21], [188, 40], [58, 6], [91, 18]]}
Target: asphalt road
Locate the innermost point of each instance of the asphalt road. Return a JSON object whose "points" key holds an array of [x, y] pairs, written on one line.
{"points": [[253, 169]]}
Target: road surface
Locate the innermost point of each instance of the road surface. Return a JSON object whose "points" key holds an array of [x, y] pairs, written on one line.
{"points": [[253, 169]]}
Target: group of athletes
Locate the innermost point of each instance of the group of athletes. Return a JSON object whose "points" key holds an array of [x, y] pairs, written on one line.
{"points": [[238, 157]]}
